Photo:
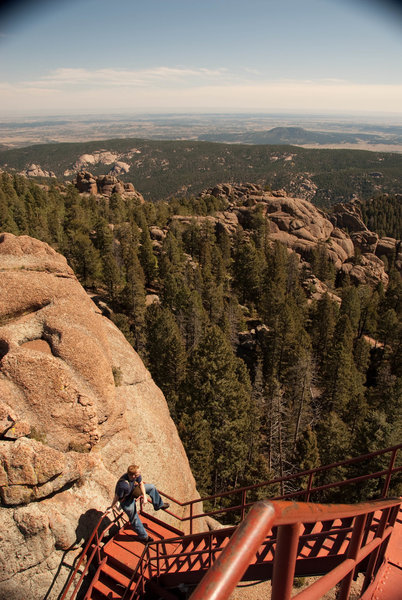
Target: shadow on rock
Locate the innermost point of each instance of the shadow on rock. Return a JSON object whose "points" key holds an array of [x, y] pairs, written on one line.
{"points": [[83, 532]]}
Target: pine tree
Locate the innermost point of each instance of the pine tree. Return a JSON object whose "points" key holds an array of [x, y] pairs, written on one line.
{"points": [[323, 320], [111, 273], [195, 433], [218, 385], [274, 283], [342, 382], [247, 272], [166, 353], [334, 443], [84, 258], [350, 306], [373, 433], [146, 254], [7, 222], [132, 299], [306, 454], [369, 302]]}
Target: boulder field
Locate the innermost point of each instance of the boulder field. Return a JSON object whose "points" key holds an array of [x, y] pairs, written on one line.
{"points": [[77, 406]]}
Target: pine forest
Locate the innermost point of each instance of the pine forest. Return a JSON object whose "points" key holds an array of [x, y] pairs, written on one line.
{"points": [[261, 380]]}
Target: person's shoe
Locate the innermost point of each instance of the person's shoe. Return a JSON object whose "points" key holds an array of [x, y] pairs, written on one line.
{"points": [[147, 540], [165, 506]]}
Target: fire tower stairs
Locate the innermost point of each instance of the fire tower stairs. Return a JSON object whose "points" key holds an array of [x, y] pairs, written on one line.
{"points": [[280, 540]]}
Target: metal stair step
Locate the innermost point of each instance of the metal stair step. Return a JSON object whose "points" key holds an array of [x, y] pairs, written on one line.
{"points": [[114, 579], [145, 517], [101, 590]]}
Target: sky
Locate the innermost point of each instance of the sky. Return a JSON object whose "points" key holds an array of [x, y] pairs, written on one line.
{"points": [[173, 56]]}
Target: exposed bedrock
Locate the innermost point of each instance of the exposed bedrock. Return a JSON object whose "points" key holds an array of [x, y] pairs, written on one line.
{"points": [[67, 431]]}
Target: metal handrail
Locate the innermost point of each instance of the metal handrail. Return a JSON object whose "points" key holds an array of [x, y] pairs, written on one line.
{"points": [[310, 473], [291, 476], [245, 505], [84, 553], [228, 569]]}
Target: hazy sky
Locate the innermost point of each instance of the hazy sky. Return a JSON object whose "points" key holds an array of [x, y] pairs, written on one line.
{"points": [[103, 56]]}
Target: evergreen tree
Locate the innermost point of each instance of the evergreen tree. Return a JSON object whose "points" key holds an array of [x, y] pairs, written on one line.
{"points": [[111, 273], [350, 306], [334, 443], [195, 433], [306, 455], [84, 258], [218, 385], [132, 299], [373, 433], [322, 326], [7, 222], [369, 301], [166, 353], [343, 383], [247, 272], [274, 283], [146, 254]]}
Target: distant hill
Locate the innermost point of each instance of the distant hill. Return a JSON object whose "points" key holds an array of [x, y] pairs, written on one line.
{"points": [[299, 136], [162, 169]]}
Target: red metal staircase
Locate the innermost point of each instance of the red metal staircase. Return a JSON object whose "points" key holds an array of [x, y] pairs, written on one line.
{"points": [[277, 540]]}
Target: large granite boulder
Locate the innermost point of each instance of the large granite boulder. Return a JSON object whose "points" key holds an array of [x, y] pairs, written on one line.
{"points": [[348, 216], [85, 183], [77, 406], [105, 185]]}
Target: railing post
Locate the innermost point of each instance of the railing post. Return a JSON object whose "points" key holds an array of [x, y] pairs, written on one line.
{"points": [[378, 554], [243, 504], [210, 550], [389, 474], [221, 579], [285, 561], [353, 550], [191, 518], [309, 485], [98, 547]]}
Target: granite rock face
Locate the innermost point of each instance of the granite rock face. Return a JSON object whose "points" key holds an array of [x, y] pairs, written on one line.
{"points": [[36, 171], [67, 430], [105, 185], [303, 228]]}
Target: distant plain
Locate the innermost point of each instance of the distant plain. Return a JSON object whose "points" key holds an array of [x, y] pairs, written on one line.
{"points": [[381, 134]]}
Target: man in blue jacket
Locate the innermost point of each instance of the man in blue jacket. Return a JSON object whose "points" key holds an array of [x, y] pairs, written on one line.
{"points": [[129, 487]]}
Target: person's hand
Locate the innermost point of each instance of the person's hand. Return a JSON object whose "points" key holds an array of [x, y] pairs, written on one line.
{"points": [[144, 500]]}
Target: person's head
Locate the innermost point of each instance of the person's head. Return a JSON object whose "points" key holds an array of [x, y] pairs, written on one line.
{"points": [[133, 471]]}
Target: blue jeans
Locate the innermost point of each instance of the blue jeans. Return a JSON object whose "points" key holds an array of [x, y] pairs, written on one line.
{"points": [[131, 510]]}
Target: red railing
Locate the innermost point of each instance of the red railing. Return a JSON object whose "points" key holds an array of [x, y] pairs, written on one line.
{"points": [[245, 504], [301, 476], [91, 552], [229, 568]]}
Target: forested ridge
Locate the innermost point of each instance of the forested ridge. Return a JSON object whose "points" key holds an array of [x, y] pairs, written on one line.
{"points": [[260, 379], [162, 169]]}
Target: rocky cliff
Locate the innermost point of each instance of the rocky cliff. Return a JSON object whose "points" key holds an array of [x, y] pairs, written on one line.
{"points": [[77, 406], [105, 185], [302, 227]]}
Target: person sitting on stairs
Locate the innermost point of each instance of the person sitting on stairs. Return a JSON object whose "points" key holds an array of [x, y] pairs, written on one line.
{"points": [[129, 487]]}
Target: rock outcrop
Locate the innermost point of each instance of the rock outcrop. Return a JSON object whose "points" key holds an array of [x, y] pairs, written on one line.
{"points": [[105, 185], [37, 171], [303, 228], [77, 406]]}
